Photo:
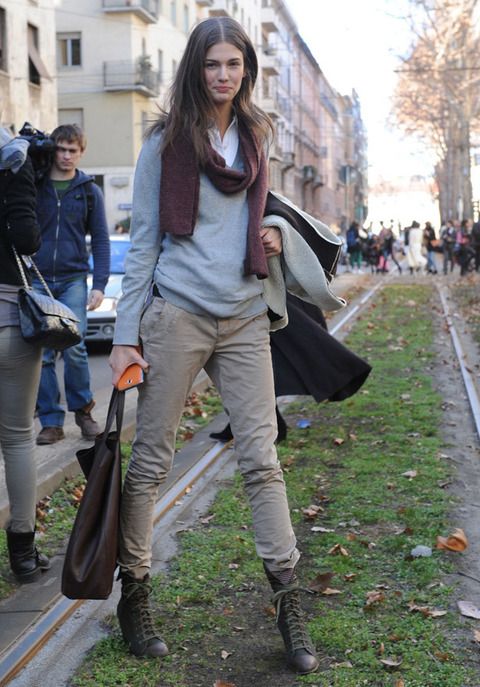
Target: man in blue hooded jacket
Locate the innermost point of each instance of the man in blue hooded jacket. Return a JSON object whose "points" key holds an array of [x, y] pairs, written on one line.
{"points": [[70, 205]]}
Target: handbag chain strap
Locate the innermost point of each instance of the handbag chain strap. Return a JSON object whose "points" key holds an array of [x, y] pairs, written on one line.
{"points": [[35, 269]]}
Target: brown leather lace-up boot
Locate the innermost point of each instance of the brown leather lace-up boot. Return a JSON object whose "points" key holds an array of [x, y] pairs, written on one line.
{"points": [[135, 618], [301, 655], [88, 426]]}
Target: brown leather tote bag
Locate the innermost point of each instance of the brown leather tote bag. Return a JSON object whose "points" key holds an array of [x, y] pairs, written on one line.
{"points": [[91, 556]]}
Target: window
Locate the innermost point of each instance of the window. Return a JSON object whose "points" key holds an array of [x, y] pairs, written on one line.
{"points": [[69, 46], [36, 68], [173, 12], [71, 116], [174, 68], [186, 19], [3, 40]]}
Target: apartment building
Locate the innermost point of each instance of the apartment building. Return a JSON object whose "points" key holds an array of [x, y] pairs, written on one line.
{"points": [[115, 62], [28, 88]]}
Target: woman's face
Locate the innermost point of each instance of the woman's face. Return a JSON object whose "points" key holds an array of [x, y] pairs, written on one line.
{"points": [[224, 70]]}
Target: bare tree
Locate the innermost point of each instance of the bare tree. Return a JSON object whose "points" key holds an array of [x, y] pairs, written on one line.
{"points": [[437, 96]]}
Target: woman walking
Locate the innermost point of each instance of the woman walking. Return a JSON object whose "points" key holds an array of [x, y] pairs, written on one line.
{"points": [[20, 362], [199, 195]]}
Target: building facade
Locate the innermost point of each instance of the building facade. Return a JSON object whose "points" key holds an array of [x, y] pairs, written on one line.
{"points": [[108, 66], [28, 89], [115, 62]]}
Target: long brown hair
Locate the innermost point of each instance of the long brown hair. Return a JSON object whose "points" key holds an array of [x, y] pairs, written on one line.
{"points": [[190, 106]]}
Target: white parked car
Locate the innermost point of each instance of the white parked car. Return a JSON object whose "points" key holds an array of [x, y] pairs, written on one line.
{"points": [[101, 322]]}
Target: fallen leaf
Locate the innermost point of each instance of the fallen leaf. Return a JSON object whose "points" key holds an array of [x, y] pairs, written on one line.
{"points": [[221, 683], [468, 609], [399, 683], [426, 610], [338, 441], [442, 656], [410, 474], [225, 654], [330, 592], [321, 581], [344, 664], [338, 549], [457, 541], [270, 610], [311, 512], [476, 636], [374, 598], [349, 577], [207, 519], [392, 662]]}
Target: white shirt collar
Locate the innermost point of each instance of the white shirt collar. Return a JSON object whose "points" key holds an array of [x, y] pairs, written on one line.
{"points": [[227, 147]]}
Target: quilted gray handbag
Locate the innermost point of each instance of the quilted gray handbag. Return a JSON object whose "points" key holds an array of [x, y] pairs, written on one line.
{"points": [[43, 319]]}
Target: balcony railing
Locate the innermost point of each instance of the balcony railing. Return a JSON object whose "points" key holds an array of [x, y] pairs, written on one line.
{"points": [[220, 8], [269, 19], [270, 64], [125, 75], [147, 10]]}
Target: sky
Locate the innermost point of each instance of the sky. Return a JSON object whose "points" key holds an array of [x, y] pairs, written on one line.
{"points": [[357, 43]]}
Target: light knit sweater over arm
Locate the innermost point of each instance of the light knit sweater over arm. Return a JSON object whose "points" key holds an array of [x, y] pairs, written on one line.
{"points": [[146, 239]]}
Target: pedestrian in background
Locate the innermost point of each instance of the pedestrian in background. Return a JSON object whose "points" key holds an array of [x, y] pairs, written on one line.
{"points": [[463, 249], [20, 361], [429, 238], [448, 238], [70, 206], [354, 247], [416, 260], [475, 238], [199, 197]]}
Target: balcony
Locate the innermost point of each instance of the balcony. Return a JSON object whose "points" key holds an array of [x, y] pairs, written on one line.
{"points": [[269, 20], [125, 75], [146, 10], [270, 105], [270, 64], [223, 8]]}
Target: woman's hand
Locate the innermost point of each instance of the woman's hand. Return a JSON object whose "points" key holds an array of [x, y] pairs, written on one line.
{"points": [[123, 356], [272, 241]]}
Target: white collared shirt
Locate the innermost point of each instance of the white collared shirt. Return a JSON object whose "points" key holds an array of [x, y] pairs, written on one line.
{"points": [[227, 147]]}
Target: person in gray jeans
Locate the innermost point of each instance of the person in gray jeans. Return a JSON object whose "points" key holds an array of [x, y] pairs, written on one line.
{"points": [[199, 195], [20, 362]]}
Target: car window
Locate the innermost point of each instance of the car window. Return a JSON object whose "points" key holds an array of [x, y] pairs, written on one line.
{"points": [[118, 252]]}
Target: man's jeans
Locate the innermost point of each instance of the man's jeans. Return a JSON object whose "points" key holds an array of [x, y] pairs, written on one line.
{"points": [[71, 292]]}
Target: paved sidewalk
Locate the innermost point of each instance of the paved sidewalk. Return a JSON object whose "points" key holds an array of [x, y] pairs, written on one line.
{"points": [[58, 461]]}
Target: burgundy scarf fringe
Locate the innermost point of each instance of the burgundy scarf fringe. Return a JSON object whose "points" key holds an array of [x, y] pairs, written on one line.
{"points": [[180, 190]]}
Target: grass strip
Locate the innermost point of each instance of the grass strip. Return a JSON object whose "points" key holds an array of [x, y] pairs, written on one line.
{"points": [[368, 476]]}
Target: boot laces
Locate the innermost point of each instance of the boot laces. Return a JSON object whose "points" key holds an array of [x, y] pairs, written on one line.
{"points": [[287, 604], [138, 594]]}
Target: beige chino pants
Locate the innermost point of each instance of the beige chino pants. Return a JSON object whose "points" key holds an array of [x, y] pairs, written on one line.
{"points": [[236, 355]]}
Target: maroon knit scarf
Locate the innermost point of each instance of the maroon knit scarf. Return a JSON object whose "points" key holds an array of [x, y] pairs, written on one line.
{"points": [[180, 187]]}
